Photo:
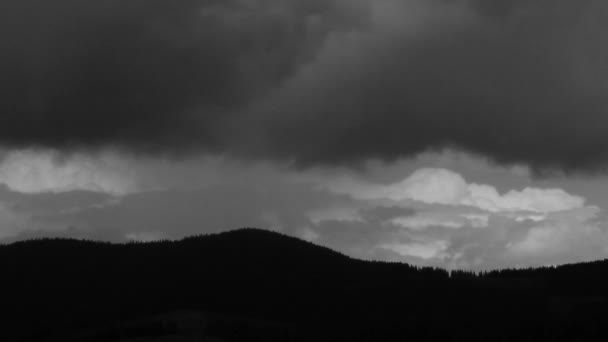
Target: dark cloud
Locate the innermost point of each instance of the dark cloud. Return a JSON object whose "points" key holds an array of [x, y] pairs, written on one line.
{"points": [[528, 88], [147, 74], [320, 82]]}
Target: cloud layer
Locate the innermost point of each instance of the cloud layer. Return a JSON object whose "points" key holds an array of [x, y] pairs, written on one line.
{"points": [[441, 186], [149, 75], [36, 171], [260, 86], [433, 216], [322, 82]]}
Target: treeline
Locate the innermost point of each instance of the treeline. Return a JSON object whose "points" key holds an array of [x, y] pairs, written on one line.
{"points": [[57, 289]]}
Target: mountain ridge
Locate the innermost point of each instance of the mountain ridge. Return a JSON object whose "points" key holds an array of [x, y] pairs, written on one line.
{"points": [[257, 233], [75, 285]]}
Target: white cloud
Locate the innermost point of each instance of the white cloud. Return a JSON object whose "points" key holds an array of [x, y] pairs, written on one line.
{"points": [[460, 224], [35, 171], [533, 218], [529, 199], [433, 186], [445, 187], [561, 234], [421, 222]]}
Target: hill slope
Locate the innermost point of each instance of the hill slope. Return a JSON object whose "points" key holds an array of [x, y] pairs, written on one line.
{"points": [[282, 287]]}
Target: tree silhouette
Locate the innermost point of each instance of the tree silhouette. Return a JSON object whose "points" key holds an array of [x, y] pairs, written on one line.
{"points": [[256, 285]]}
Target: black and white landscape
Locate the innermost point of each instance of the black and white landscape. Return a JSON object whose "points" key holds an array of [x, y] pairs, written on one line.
{"points": [[256, 285], [382, 145]]}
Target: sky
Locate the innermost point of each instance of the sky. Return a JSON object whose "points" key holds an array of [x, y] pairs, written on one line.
{"points": [[451, 133]]}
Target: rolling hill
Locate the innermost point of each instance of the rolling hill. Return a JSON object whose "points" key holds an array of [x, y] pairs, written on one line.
{"points": [[257, 285]]}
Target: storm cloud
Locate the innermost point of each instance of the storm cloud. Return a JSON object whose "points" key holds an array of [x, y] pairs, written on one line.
{"points": [[148, 75], [325, 82]]}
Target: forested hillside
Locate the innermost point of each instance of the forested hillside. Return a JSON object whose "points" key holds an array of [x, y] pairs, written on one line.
{"points": [[256, 285]]}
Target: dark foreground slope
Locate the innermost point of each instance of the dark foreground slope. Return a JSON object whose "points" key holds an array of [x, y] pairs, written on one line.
{"points": [[255, 285]]}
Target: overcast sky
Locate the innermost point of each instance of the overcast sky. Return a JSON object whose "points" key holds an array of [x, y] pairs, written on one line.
{"points": [[454, 133]]}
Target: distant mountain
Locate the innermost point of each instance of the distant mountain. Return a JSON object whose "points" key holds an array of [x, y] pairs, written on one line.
{"points": [[257, 285]]}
